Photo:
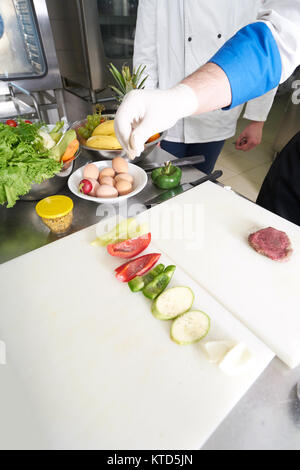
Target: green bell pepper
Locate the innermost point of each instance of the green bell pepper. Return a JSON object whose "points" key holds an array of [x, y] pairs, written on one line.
{"points": [[167, 177], [138, 283], [159, 283]]}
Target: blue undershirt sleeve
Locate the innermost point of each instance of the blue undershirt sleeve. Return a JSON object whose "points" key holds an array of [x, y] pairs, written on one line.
{"points": [[251, 61]]}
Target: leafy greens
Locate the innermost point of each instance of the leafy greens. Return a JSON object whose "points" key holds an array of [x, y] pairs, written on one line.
{"points": [[23, 161]]}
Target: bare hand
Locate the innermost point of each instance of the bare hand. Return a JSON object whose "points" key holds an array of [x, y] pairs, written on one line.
{"points": [[250, 137]]}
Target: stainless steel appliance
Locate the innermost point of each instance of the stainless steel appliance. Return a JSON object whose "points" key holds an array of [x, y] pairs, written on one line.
{"points": [[88, 35], [27, 55]]}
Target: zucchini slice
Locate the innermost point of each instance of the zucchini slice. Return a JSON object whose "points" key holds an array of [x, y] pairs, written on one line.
{"points": [[190, 327], [172, 303]]}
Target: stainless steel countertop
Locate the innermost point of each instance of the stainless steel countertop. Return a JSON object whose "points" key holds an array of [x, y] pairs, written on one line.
{"points": [[267, 417]]}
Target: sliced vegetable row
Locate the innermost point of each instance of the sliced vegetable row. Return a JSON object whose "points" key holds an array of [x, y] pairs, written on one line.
{"points": [[127, 240]]}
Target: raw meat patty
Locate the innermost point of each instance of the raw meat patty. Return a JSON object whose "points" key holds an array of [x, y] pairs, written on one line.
{"points": [[272, 243]]}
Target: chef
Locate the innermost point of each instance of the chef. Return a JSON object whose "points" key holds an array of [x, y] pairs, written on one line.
{"points": [[173, 38], [254, 61]]}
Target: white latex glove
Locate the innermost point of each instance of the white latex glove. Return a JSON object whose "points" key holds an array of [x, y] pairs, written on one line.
{"points": [[144, 113]]}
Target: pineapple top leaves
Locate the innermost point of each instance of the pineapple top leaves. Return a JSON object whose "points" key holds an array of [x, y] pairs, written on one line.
{"points": [[127, 81]]}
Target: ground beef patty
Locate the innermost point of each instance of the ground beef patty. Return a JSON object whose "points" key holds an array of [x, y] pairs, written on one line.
{"points": [[272, 243]]}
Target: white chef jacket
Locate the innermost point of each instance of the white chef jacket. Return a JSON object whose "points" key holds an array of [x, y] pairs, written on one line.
{"points": [[283, 18], [175, 37]]}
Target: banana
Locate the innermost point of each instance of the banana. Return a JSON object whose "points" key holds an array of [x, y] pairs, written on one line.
{"points": [[104, 142], [105, 128]]}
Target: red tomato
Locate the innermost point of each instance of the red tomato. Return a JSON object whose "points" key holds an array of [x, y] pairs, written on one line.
{"points": [[28, 122], [11, 123], [129, 248], [136, 267]]}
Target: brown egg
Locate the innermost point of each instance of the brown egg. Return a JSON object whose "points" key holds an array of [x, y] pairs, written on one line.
{"points": [[106, 191], [91, 171], [95, 186], [106, 180], [107, 172], [124, 177], [120, 165], [123, 187]]}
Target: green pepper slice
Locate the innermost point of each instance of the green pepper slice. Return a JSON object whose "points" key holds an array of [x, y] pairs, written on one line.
{"points": [[138, 283], [167, 177], [159, 283]]}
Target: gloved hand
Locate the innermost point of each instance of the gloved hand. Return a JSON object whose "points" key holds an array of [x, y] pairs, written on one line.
{"points": [[144, 113]]}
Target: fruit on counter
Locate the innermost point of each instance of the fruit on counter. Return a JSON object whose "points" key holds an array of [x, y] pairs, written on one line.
{"points": [[190, 327], [58, 151], [104, 142], [129, 248], [237, 360], [120, 165], [136, 267], [166, 177], [11, 123], [172, 303], [216, 350], [92, 121], [272, 243], [127, 81], [154, 288], [106, 191], [138, 283], [91, 171], [105, 128], [127, 228], [85, 186]]}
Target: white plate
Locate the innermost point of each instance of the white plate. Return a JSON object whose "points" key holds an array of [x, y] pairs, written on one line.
{"points": [[140, 179]]}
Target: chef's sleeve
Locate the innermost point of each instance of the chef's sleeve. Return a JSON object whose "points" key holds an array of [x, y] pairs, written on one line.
{"points": [[258, 109], [145, 51], [263, 54]]}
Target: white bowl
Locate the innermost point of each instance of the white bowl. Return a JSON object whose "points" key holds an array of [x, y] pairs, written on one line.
{"points": [[140, 180]]}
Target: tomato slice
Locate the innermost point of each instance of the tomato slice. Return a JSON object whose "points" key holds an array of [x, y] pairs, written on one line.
{"points": [[11, 123], [129, 248], [28, 122], [136, 267]]}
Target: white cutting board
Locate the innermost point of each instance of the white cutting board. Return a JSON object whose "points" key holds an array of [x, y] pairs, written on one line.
{"points": [[99, 371], [263, 294]]}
